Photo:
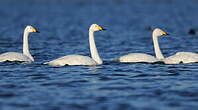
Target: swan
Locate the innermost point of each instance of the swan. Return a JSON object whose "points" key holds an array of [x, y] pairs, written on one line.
{"points": [[141, 57], [182, 57], [79, 59], [22, 57]]}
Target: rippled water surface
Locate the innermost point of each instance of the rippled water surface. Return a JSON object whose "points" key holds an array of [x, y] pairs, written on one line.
{"points": [[110, 86]]}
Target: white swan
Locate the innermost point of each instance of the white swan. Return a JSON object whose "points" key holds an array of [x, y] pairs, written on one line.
{"points": [[141, 57], [182, 57], [22, 57], [78, 59]]}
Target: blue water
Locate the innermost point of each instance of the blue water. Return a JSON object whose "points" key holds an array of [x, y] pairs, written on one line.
{"points": [[110, 86]]}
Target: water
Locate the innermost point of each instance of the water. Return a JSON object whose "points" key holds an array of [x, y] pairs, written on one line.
{"points": [[111, 86]]}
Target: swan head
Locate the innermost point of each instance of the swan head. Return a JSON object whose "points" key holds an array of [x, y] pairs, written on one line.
{"points": [[31, 29], [96, 27], [158, 32]]}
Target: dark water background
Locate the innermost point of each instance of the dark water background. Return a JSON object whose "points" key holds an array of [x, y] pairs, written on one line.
{"points": [[111, 86]]}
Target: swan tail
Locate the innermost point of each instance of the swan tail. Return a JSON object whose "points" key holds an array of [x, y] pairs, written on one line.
{"points": [[116, 60], [46, 63]]}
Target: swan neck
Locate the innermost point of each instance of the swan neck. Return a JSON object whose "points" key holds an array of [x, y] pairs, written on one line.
{"points": [[26, 45], [93, 49], [157, 50]]}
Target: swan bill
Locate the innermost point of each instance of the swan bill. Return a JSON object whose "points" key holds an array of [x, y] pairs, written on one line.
{"points": [[165, 33], [101, 28], [35, 30]]}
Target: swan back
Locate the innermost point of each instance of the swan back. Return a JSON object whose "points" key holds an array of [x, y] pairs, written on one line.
{"points": [[138, 57], [14, 56], [72, 60], [182, 57]]}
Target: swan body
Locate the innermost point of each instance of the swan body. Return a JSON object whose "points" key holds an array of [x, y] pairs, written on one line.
{"points": [[182, 57], [14, 56], [141, 57], [72, 60], [78, 59], [22, 57], [138, 57]]}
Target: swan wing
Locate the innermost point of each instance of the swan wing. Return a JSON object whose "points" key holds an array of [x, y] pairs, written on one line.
{"points": [[72, 60], [138, 57], [182, 57], [190, 54], [14, 56]]}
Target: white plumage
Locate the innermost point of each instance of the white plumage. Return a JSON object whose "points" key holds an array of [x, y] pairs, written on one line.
{"points": [[79, 59], [141, 57], [182, 57], [138, 57], [72, 60], [14, 56], [22, 57]]}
